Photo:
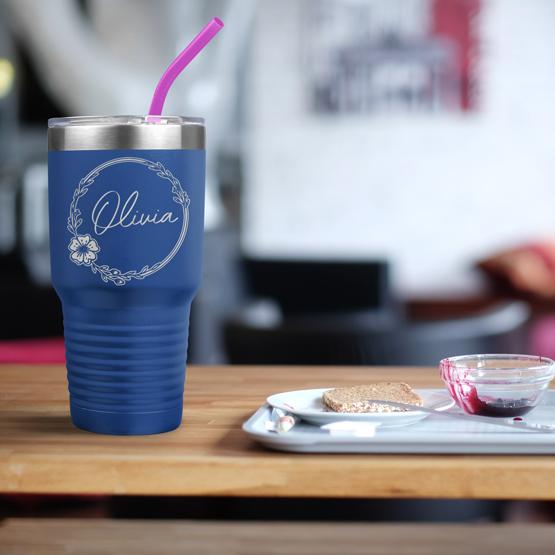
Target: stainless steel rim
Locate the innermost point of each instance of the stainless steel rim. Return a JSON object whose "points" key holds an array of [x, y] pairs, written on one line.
{"points": [[126, 133]]}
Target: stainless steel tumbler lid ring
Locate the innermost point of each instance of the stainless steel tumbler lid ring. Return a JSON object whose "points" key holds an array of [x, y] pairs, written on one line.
{"points": [[126, 133]]}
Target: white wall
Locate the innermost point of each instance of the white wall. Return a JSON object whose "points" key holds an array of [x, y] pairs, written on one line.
{"points": [[432, 194]]}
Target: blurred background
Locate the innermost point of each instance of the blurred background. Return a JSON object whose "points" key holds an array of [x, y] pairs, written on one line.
{"points": [[379, 171], [380, 178]]}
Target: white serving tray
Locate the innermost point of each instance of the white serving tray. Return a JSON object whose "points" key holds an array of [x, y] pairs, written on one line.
{"points": [[435, 434]]}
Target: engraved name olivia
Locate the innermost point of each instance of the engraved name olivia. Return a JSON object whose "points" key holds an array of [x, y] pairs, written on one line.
{"points": [[110, 212]]}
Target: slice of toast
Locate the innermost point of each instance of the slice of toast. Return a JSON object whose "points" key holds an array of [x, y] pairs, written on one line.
{"points": [[359, 397]]}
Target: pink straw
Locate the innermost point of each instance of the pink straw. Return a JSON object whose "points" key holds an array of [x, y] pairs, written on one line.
{"points": [[180, 63]]}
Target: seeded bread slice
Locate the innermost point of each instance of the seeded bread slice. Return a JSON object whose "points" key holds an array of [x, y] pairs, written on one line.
{"points": [[359, 398]]}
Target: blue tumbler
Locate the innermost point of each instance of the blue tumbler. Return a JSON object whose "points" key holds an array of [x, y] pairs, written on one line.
{"points": [[126, 206]]}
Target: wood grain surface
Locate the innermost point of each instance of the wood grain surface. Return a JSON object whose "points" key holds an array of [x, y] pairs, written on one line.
{"points": [[107, 537], [41, 452]]}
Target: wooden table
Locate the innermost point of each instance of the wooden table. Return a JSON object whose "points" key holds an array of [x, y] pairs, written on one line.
{"points": [[104, 537], [41, 452]]}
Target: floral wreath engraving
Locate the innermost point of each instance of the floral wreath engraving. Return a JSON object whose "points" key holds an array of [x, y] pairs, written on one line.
{"points": [[84, 249]]}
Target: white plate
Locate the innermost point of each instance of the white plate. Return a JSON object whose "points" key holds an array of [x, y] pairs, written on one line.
{"points": [[308, 405]]}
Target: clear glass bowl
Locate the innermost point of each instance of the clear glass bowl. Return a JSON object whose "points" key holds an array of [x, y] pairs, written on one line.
{"points": [[497, 385]]}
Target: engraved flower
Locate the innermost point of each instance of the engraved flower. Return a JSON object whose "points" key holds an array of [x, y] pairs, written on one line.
{"points": [[83, 249]]}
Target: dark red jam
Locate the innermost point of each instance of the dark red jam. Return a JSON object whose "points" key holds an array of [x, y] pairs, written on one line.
{"points": [[488, 406], [503, 409]]}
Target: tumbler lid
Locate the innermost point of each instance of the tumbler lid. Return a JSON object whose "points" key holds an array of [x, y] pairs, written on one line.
{"points": [[126, 133]]}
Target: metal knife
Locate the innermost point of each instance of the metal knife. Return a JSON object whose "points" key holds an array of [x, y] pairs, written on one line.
{"points": [[514, 424]]}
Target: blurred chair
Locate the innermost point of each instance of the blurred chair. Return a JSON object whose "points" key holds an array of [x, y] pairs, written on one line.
{"points": [[260, 334], [311, 287]]}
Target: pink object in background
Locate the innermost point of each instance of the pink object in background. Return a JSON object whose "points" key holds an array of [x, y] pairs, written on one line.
{"points": [[180, 63], [542, 336], [33, 351]]}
